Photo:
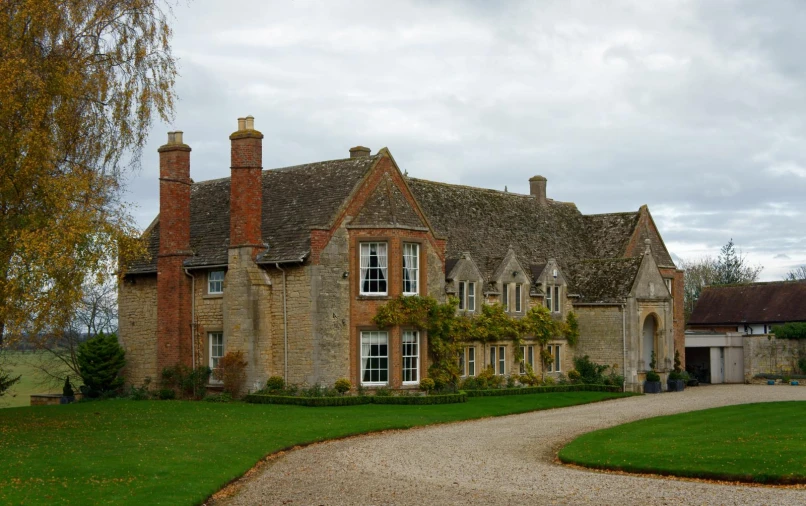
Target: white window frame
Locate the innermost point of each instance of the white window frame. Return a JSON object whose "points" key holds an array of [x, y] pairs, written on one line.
{"points": [[411, 266], [215, 286], [471, 360], [505, 296], [462, 291], [410, 357], [212, 360], [527, 357], [502, 360], [364, 259], [554, 350], [518, 298], [471, 296], [374, 338]]}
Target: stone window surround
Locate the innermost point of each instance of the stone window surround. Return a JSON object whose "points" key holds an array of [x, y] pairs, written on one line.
{"points": [[498, 360], [528, 356], [463, 294], [556, 366], [465, 361], [207, 349], [394, 286]]}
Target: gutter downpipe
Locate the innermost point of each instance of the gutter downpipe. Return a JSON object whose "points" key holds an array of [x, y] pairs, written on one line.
{"points": [[285, 328], [192, 318], [624, 344]]}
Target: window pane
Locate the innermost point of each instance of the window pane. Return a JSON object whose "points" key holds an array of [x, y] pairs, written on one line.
{"points": [[374, 357], [523, 359], [471, 296], [492, 358], [518, 298], [556, 299], [505, 296], [411, 346], [373, 265], [461, 295], [411, 267], [548, 297], [471, 361], [557, 358], [501, 360], [215, 282]]}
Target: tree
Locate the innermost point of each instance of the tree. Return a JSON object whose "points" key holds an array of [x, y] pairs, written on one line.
{"points": [[100, 361], [730, 267], [796, 274], [80, 82]]}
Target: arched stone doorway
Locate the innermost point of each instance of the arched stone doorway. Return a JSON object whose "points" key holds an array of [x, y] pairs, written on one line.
{"points": [[649, 343]]}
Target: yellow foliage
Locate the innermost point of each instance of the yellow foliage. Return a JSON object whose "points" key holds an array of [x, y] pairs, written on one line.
{"points": [[79, 82]]}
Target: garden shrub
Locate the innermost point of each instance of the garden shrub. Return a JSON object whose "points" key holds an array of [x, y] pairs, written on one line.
{"points": [[140, 393], [222, 397], [589, 372], [543, 390], [275, 383], [794, 330], [383, 392], [343, 385], [355, 400], [166, 394], [186, 382], [549, 381], [231, 371], [427, 385], [574, 375], [100, 360], [652, 376]]}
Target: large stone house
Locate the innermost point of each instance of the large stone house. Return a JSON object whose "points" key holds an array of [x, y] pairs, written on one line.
{"points": [[290, 265]]}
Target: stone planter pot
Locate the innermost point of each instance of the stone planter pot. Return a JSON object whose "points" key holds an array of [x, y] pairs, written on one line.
{"points": [[770, 382], [794, 382], [652, 387], [676, 385]]}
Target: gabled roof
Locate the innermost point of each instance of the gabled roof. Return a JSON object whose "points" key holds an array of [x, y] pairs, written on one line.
{"points": [[773, 302], [603, 280], [295, 200], [610, 233]]}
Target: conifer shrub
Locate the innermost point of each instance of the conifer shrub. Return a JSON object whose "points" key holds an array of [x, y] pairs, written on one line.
{"points": [[67, 389], [343, 385], [100, 360]]}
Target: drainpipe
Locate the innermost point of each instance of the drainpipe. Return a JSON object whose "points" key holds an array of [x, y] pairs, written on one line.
{"points": [[624, 345], [192, 318], [285, 328]]}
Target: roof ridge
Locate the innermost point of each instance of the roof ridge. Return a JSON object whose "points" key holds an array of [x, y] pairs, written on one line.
{"points": [[502, 192], [758, 283]]}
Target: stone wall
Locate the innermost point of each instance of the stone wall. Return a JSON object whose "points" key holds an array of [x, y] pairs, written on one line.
{"points": [[209, 317], [600, 335], [300, 324], [330, 296], [764, 355], [137, 327]]}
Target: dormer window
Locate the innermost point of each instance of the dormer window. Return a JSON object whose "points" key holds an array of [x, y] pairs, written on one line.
{"points": [[467, 295], [374, 268], [215, 282], [553, 298], [411, 268], [505, 297]]}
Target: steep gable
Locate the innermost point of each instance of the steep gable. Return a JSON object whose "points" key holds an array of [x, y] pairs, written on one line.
{"points": [[387, 207], [645, 228]]}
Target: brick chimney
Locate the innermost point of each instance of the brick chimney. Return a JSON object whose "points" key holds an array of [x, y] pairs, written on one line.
{"points": [[537, 188], [359, 151], [173, 286], [246, 185]]}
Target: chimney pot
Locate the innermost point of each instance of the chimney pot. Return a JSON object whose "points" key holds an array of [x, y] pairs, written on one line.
{"points": [[170, 137], [241, 124], [250, 122], [178, 137], [537, 188], [359, 151]]}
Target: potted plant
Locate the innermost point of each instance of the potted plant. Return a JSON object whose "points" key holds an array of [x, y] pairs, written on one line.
{"points": [[652, 383], [68, 395], [677, 378]]}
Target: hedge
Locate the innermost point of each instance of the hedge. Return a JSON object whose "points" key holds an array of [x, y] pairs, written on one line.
{"points": [[542, 390], [315, 402]]}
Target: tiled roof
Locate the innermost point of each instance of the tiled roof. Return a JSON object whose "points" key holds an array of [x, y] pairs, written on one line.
{"points": [[387, 207], [603, 280], [295, 199], [610, 233], [774, 302], [487, 222]]}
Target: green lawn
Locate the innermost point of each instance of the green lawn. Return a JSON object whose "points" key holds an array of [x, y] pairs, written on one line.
{"points": [[761, 442], [32, 380], [179, 452]]}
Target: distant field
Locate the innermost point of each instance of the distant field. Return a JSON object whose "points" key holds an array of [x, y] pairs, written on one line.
{"points": [[33, 381]]}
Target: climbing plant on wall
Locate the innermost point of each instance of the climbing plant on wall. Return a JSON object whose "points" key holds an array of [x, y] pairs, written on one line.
{"points": [[449, 330]]}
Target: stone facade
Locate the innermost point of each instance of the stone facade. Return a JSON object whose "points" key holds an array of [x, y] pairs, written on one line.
{"points": [[300, 313], [766, 355]]}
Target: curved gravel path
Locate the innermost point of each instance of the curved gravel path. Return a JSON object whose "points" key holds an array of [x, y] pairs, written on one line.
{"points": [[506, 460]]}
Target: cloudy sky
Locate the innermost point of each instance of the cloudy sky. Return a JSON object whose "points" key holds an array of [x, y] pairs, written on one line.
{"points": [[697, 109]]}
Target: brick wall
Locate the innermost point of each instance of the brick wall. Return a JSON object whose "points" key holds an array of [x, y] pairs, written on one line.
{"points": [[137, 327]]}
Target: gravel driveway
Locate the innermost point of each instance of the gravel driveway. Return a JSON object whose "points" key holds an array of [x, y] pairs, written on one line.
{"points": [[506, 460]]}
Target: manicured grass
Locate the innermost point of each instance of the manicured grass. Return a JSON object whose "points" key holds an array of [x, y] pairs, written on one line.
{"points": [[761, 442], [178, 452], [32, 381]]}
